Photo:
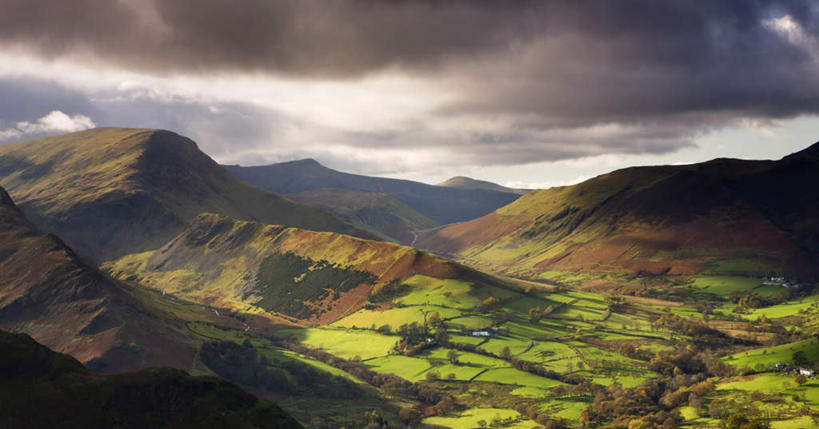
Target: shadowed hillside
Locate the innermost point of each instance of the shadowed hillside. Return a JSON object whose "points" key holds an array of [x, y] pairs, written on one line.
{"points": [[380, 213], [47, 292], [40, 388], [111, 191], [728, 217], [442, 204]]}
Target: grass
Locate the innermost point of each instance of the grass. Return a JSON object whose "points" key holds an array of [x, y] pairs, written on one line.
{"points": [[724, 286], [517, 377], [469, 419], [769, 356], [786, 309], [342, 342], [450, 293], [395, 316], [569, 408], [495, 345], [406, 367], [466, 358], [803, 422]]}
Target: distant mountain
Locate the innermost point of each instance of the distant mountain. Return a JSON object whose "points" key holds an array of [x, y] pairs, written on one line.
{"points": [[724, 216], [303, 276], [47, 292], [441, 204], [111, 191], [382, 214], [40, 388], [461, 182]]}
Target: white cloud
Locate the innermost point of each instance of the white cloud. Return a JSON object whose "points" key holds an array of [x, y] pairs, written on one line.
{"points": [[54, 122]]}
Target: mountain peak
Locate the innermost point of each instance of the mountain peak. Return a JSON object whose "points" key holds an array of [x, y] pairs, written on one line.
{"points": [[811, 152], [463, 182]]}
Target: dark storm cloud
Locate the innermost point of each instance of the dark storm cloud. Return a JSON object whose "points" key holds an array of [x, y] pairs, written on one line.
{"points": [[663, 72]]}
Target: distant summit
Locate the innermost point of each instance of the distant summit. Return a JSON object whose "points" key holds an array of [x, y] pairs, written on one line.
{"points": [[463, 182], [442, 204]]}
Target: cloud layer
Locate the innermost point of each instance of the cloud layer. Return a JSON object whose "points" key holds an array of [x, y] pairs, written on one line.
{"points": [[479, 82]]}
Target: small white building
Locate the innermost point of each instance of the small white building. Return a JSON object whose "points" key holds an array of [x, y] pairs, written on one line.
{"points": [[806, 372], [480, 333]]}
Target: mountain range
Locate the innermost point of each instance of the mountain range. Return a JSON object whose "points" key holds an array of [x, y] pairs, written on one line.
{"points": [[610, 303], [455, 202]]}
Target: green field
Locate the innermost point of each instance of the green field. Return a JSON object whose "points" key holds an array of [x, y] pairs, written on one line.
{"points": [[769, 356], [469, 419], [406, 367], [344, 343], [517, 377], [724, 286]]}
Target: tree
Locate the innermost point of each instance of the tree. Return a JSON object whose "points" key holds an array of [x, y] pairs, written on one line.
{"points": [[506, 353], [434, 320], [490, 304], [799, 358], [433, 375], [535, 314], [801, 379], [452, 355]]}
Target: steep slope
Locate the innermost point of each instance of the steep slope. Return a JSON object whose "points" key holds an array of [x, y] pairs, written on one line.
{"points": [[382, 214], [721, 217], [305, 276], [111, 191], [461, 182], [40, 388], [47, 292], [443, 205]]}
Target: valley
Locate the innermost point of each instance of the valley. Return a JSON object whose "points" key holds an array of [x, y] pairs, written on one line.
{"points": [[597, 305]]}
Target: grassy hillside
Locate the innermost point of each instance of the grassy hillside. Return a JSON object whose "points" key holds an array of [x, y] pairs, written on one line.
{"points": [[286, 272], [41, 388], [723, 217], [380, 213], [461, 182], [443, 205], [111, 191]]}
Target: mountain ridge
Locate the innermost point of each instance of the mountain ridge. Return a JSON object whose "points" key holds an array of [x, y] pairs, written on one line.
{"points": [[108, 191], [659, 219], [443, 205]]}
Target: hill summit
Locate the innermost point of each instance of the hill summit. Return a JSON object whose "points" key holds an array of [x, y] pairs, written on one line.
{"points": [[111, 191], [463, 182]]}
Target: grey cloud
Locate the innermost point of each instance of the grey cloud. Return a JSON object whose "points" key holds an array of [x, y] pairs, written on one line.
{"points": [[665, 71]]}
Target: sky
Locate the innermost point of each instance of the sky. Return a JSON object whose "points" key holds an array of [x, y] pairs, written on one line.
{"points": [[528, 94]]}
